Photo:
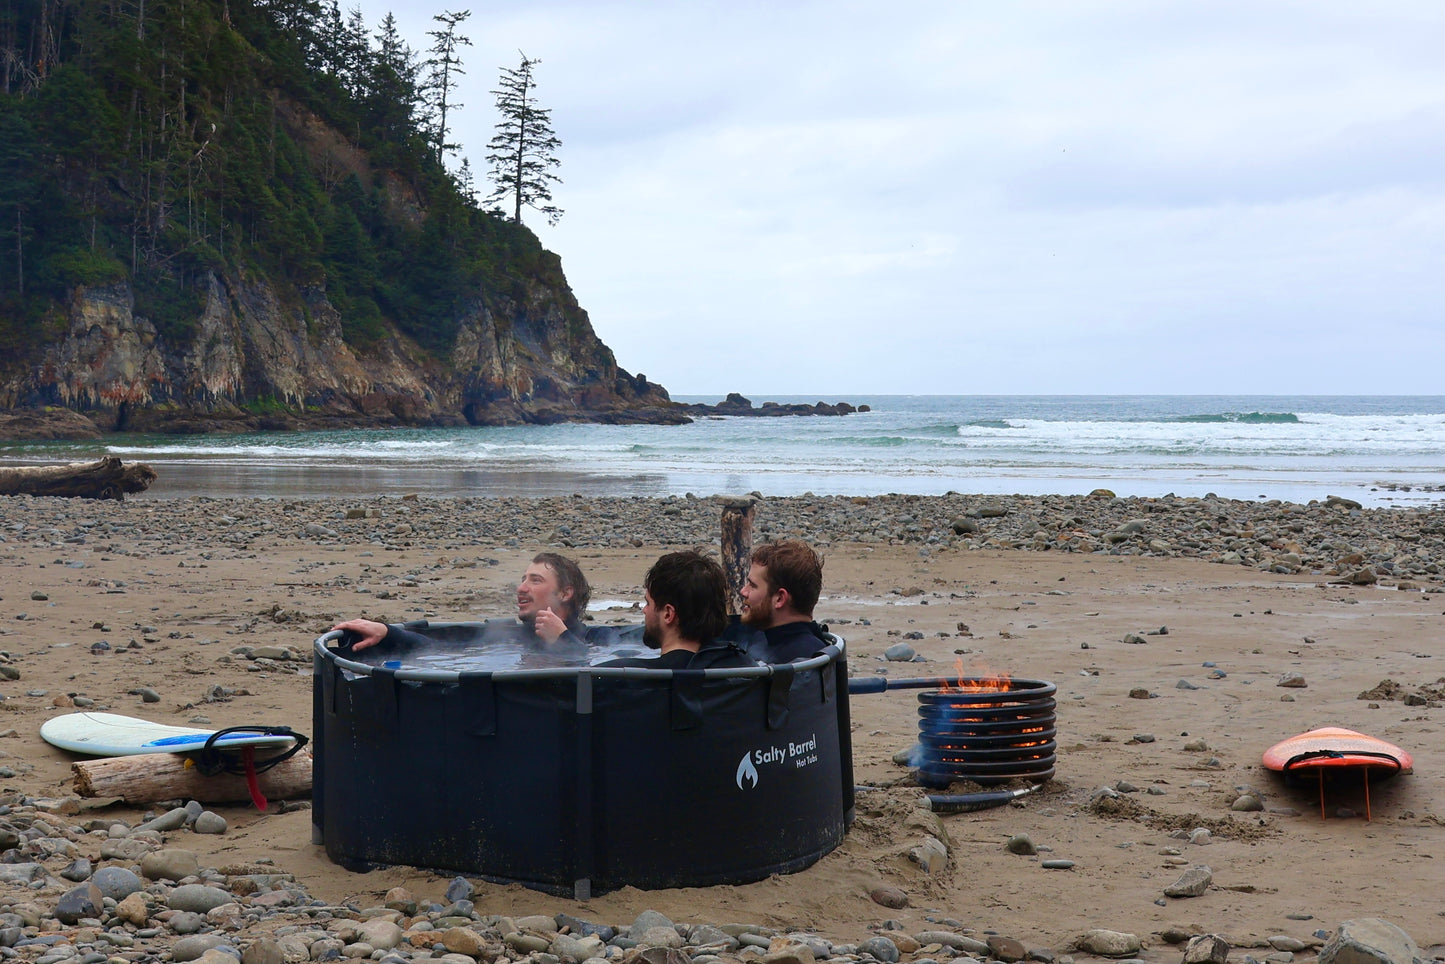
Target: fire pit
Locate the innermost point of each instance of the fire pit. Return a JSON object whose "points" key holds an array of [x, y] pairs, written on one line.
{"points": [[987, 730]]}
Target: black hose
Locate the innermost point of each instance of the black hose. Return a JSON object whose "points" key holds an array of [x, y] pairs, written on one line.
{"points": [[878, 684], [969, 802]]}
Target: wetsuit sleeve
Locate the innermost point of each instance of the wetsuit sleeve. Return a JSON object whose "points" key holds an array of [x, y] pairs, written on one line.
{"points": [[399, 639]]}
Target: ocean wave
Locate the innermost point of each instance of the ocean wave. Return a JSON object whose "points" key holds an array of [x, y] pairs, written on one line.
{"points": [[987, 423], [1246, 418]]}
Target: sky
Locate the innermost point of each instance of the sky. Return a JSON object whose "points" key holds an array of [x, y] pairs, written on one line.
{"points": [[1069, 197]]}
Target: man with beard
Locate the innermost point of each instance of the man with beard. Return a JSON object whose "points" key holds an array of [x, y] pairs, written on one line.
{"points": [[778, 597], [685, 610], [551, 599]]}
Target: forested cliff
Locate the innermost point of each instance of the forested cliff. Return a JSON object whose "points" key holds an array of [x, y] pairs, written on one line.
{"points": [[231, 214]]}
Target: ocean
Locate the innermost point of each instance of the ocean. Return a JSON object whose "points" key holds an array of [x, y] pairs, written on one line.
{"points": [[1378, 450]]}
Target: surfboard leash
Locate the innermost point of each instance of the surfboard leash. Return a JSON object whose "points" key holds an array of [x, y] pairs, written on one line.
{"points": [[211, 761]]}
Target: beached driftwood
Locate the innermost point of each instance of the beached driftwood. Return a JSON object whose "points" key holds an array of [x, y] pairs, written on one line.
{"points": [[737, 547], [148, 777], [105, 479]]}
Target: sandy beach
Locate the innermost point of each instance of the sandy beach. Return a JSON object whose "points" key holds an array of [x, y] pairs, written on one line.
{"points": [[175, 588]]}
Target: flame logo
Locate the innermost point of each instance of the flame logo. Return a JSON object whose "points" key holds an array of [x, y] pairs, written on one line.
{"points": [[748, 772]]}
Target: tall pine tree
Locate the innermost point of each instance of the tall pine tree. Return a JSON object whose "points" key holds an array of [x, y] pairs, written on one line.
{"points": [[524, 149], [446, 67]]}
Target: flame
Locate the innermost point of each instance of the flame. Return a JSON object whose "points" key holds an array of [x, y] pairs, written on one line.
{"points": [[985, 683]]}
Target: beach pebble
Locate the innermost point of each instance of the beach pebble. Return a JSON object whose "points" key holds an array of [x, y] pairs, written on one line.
{"points": [[169, 864], [1057, 864], [79, 869], [1192, 883], [890, 897], [191, 948], [464, 940], [380, 933], [660, 937], [186, 922], [199, 898], [646, 921], [459, 889], [1206, 949], [785, 951], [117, 883], [1006, 949], [1369, 940], [1020, 843], [1107, 943], [1247, 803], [881, 949], [133, 909], [170, 820], [899, 653], [208, 822], [1283, 942], [264, 952], [80, 902], [930, 855], [1292, 680]]}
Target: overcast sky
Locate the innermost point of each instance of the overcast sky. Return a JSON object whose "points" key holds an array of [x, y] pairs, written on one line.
{"points": [[1080, 196]]}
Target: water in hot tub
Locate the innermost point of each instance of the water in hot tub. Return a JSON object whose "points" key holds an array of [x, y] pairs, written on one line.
{"points": [[502, 644]]}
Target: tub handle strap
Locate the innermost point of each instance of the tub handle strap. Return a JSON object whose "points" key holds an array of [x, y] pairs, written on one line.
{"points": [[829, 679], [686, 699], [780, 691], [382, 717], [479, 696]]}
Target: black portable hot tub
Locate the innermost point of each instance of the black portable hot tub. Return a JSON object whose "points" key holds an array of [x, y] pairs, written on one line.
{"points": [[581, 779]]}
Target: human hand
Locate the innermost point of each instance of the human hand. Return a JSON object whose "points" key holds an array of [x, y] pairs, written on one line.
{"points": [[549, 626], [370, 631]]}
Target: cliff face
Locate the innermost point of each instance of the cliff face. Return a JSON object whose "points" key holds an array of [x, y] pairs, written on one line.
{"points": [[263, 358]]}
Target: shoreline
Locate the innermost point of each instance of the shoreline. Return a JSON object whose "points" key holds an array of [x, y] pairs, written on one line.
{"points": [[200, 586]]}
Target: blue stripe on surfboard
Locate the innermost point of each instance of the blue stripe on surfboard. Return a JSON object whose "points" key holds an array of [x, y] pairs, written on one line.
{"points": [[191, 738]]}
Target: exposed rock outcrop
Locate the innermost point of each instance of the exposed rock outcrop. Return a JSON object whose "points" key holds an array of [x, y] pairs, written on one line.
{"points": [[255, 359]]}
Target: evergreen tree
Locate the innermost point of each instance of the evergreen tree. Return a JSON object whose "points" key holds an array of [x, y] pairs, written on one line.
{"points": [[392, 90], [524, 149], [445, 67]]}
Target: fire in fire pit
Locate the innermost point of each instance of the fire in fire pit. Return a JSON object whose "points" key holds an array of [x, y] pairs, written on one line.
{"points": [[989, 730]]}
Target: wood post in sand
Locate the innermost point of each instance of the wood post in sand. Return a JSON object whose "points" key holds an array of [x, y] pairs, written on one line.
{"points": [[105, 479], [737, 546], [148, 777]]}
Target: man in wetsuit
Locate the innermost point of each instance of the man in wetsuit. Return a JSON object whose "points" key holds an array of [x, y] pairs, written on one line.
{"points": [[777, 601], [686, 609], [551, 599]]}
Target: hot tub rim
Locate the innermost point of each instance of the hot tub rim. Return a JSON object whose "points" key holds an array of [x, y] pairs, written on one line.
{"points": [[838, 648]]}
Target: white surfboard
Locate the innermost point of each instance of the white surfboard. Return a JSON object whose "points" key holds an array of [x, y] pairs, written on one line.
{"points": [[109, 734]]}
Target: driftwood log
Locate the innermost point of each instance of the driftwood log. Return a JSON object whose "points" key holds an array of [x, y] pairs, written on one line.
{"points": [[148, 777], [105, 479], [737, 547]]}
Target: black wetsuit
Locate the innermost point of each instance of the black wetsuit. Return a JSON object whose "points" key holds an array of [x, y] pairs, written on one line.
{"points": [[778, 644], [717, 654], [790, 641]]}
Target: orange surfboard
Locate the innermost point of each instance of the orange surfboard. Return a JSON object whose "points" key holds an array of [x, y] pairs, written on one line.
{"points": [[1334, 746], [1337, 751]]}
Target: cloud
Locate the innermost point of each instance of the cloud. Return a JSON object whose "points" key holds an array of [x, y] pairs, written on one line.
{"points": [[1093, 196]]}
